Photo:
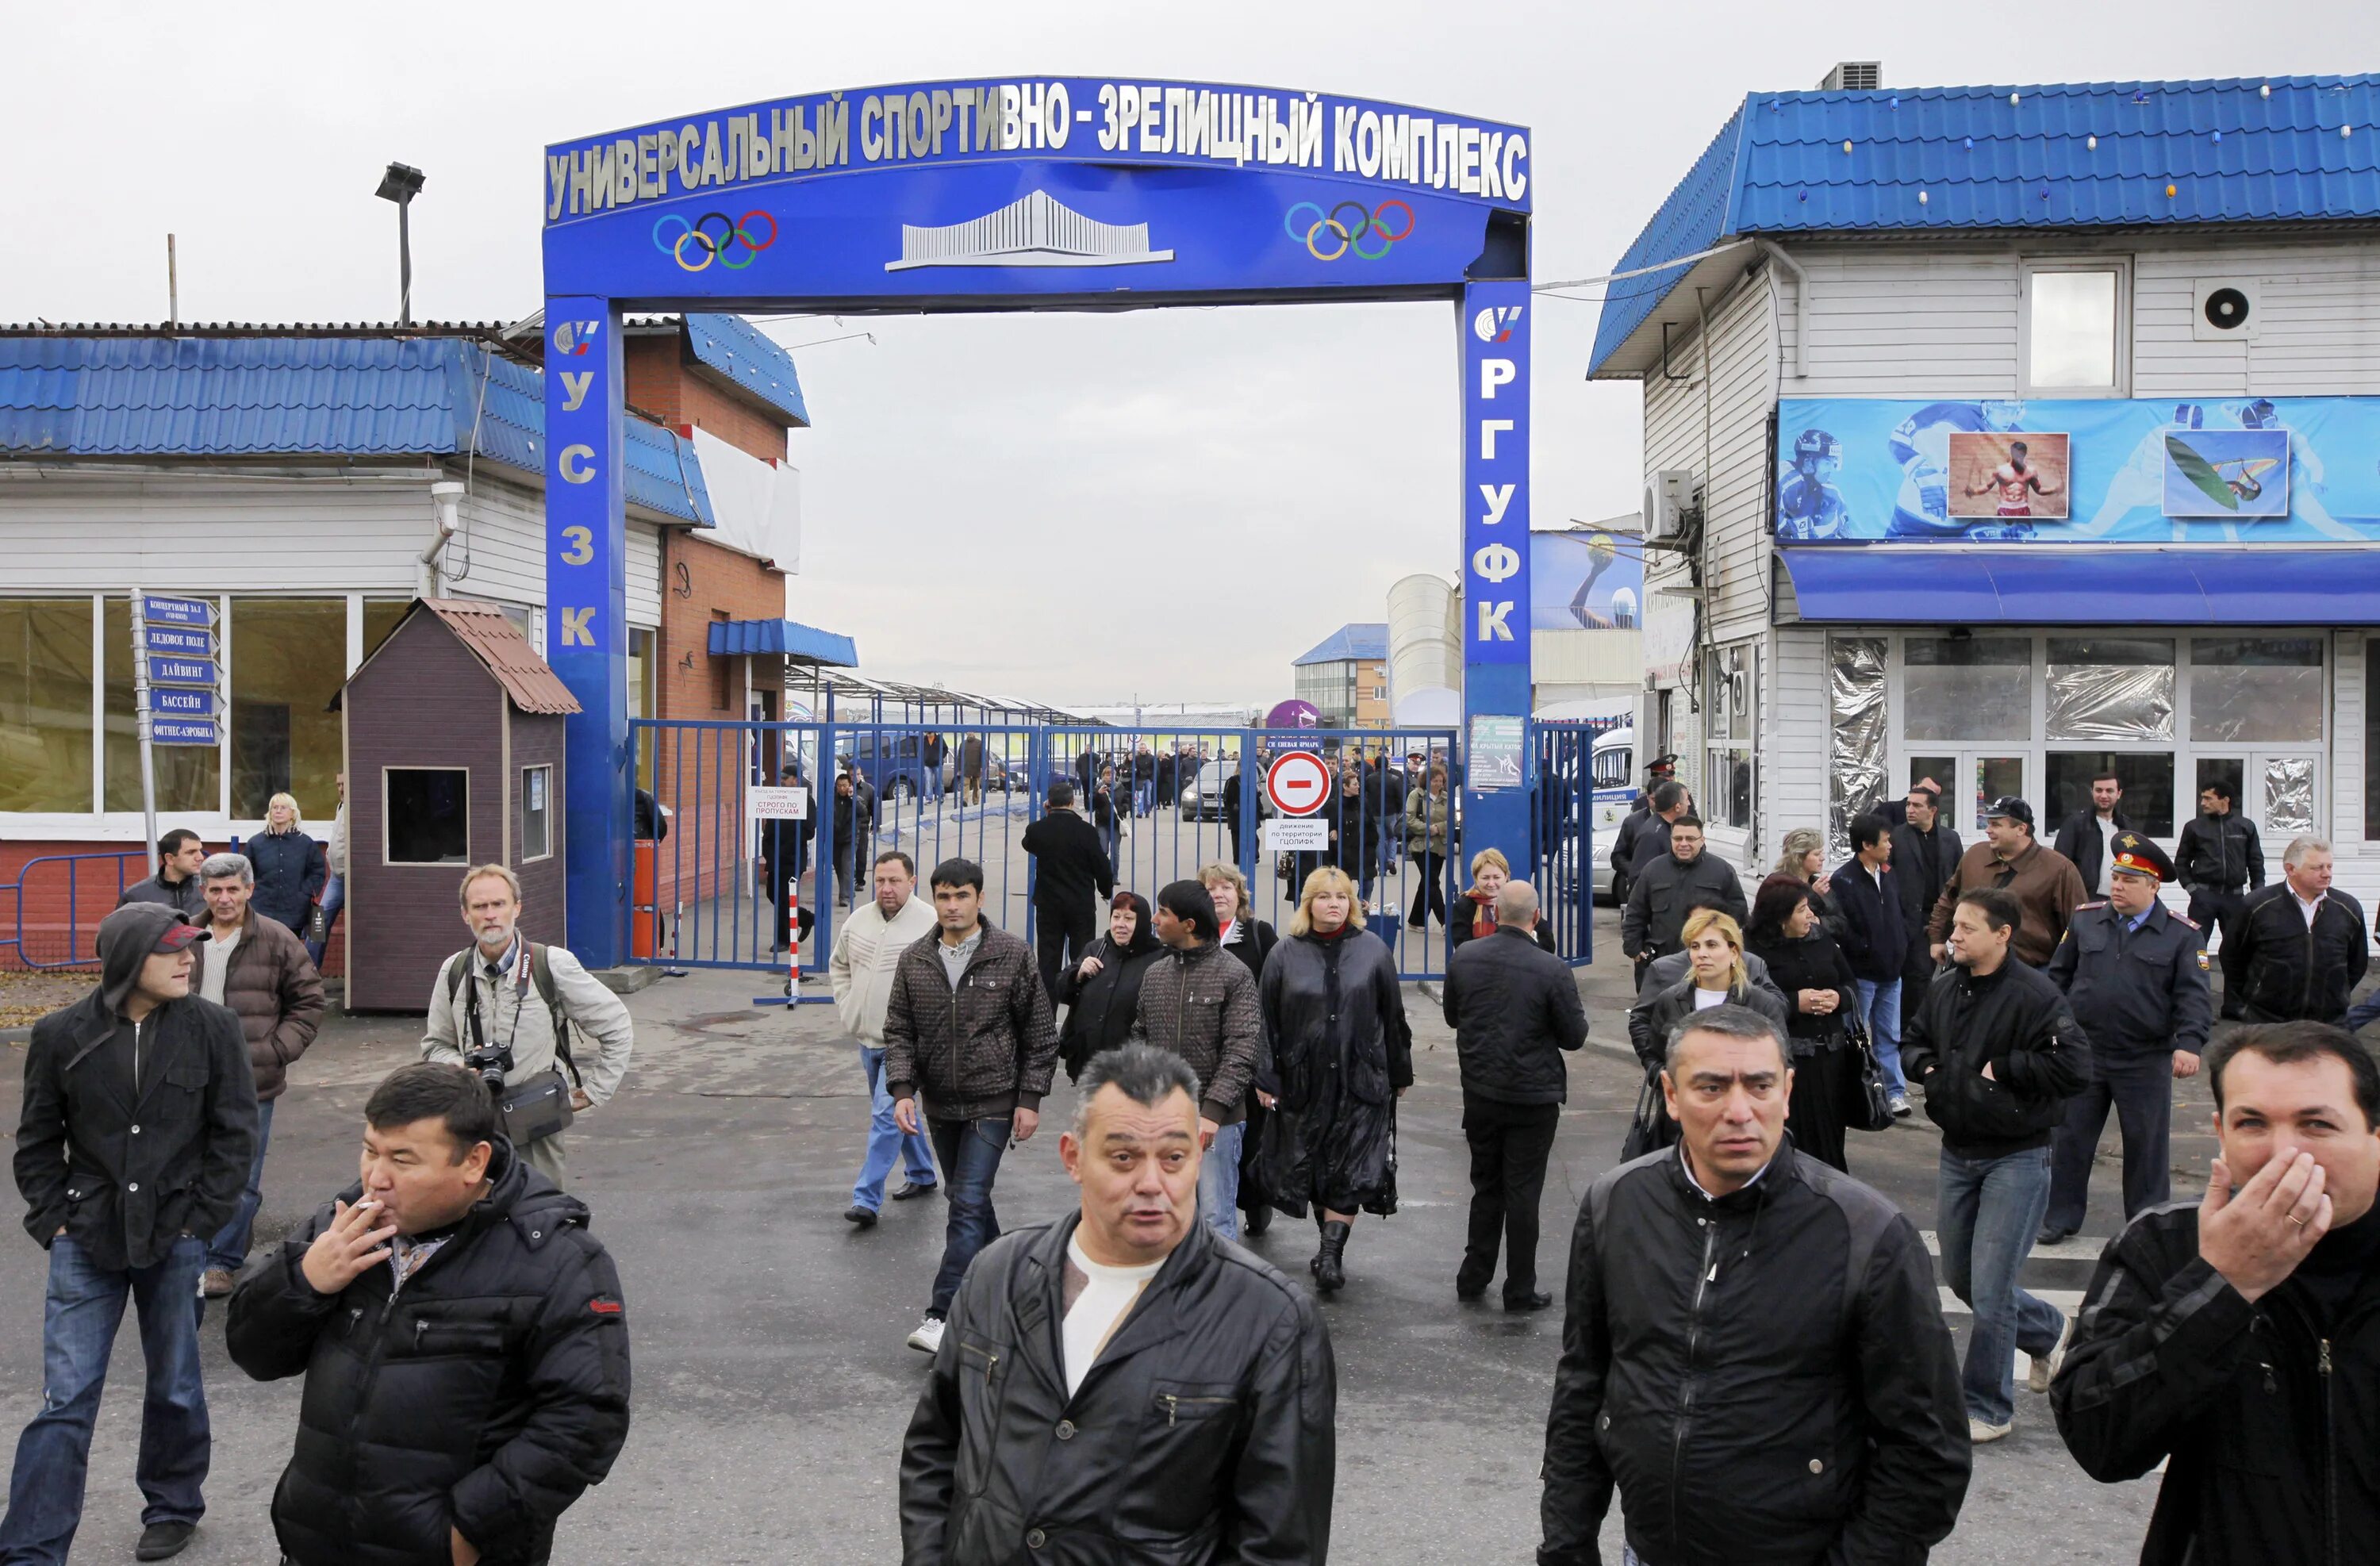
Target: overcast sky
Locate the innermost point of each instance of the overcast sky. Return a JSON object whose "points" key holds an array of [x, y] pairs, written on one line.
{"points": [[1063, 508]]}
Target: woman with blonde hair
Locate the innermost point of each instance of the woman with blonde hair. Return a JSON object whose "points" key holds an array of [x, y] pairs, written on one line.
{"points": [[1251, 940], [1343, 1052], [1802, 855], [290, 869], [1475, 911], [1715, 977]]}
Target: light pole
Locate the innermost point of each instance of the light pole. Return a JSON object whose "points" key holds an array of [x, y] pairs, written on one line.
{"points": [[400, 184]]}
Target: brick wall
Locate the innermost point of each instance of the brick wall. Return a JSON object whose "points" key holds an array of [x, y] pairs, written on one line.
{"points": [[698, 775], [660, 381]]}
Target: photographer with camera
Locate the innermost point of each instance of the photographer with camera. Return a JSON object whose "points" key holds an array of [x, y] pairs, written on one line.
{"points": [[504, 1007]]}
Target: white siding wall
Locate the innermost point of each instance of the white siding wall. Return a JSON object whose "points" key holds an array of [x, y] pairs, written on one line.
{"points": [[644, 574], [83, 532], [1743, 389], [1793, 749], [2318, 321], [1890, 320], [502, 547]]}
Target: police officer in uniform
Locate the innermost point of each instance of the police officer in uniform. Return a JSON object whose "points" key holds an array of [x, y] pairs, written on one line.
{"points": [[2136, 975]]}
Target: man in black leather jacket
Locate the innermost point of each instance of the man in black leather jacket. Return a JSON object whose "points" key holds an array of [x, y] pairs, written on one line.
{"points": [[2236, 1340], [1753, 1356], [463, 1340], [1121, 1384]]}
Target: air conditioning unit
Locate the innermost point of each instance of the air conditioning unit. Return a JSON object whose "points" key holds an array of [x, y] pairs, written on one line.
{"points": [[1671, 499], [1853, 76], [2222, 308]]}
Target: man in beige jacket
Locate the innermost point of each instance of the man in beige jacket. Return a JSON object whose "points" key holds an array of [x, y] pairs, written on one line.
{"points": [[866, 949]]}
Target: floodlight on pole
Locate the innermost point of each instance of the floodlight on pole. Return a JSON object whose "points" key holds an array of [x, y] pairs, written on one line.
{"points": [[400, 184]]}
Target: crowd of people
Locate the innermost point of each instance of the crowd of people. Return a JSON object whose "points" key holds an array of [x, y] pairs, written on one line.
{"points": [[1753, 1358]]}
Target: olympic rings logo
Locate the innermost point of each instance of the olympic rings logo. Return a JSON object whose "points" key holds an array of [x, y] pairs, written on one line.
{"points": [[1351, 227], [705, 247]]}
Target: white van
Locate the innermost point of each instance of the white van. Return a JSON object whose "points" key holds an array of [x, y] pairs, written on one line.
{"points": [[1613, 769]]}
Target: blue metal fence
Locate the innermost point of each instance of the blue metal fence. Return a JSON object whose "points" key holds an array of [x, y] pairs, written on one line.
{"points": [[55, 904]]}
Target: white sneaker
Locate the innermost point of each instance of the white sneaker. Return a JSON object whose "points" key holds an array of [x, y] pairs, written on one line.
{"points": [[1901, 1106], [1978, 1432], [928, 1337], [2045, 1368]]}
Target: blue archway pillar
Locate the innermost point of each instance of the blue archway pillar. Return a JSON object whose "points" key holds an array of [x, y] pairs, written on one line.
{"points": [[586, 614], [1493, 320]]}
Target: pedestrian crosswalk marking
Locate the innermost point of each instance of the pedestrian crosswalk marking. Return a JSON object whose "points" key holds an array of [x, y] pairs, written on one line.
{"points": [[2067, 1300], [2082, 1247]]}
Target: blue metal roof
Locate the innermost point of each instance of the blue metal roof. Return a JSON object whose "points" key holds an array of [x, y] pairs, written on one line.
{"points": [[1362, 639], [2070, 585], [788, 639], [305, 396], [2058, 156], [734, 347]]}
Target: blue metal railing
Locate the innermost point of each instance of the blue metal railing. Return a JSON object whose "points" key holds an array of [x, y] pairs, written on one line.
{"points": [[90, 890]]}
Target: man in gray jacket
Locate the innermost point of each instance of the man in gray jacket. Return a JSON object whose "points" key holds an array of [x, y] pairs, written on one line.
{"points": [[1200, 1003], [508, 993], [1670, 888]]}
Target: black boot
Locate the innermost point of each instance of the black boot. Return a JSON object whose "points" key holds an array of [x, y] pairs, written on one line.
{"points": [[1255, 1220], [1330, 1264]]}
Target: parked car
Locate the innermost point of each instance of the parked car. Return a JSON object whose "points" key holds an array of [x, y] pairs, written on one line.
{"points": [[892, 760], [1202, 799]]}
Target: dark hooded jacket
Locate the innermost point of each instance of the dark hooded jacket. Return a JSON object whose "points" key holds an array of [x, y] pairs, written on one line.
{"points": [[188, 896], [1100, 1008], [486, 1395], [125, 1169]]}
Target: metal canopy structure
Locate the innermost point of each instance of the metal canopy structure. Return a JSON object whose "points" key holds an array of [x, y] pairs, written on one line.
{"points": [[1019, 194]]}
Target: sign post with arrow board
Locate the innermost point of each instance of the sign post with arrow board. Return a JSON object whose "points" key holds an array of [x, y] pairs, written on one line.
{"points": [[176, 686], [1298, 783]]}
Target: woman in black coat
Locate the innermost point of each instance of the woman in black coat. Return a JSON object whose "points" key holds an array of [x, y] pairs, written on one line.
{"points": [[1101, 993], [1809, 968], [290, 869], [1251, 941], [1336, 1018], [1715, 977]]}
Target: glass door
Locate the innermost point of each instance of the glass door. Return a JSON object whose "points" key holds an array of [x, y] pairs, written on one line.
{"points": [[2278, 790], [1970, 781]]}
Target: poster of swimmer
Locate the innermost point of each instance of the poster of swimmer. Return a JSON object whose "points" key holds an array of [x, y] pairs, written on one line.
{"points": [[2227, 475], [2009, 474]]}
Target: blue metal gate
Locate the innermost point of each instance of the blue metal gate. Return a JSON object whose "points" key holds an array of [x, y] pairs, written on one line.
{"points": [[711, 891]]}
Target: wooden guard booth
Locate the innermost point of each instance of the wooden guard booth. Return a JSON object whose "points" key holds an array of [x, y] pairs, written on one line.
{"points": [[454, 734]]}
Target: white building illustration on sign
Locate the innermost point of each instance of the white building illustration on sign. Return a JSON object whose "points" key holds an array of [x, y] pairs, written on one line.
{"points": [[1034, 230]]}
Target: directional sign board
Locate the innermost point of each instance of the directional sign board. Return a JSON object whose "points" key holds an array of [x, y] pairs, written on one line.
{"points": [[179, 671], [176, 611], [181, 640], [167, 701], [185, 730], [1298, 783]]}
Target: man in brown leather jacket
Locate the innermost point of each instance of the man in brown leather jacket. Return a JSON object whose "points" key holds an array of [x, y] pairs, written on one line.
{"points": [[2044, 882]]}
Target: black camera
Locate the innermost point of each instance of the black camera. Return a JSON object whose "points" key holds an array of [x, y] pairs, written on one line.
{"points": [[493, 1061]]}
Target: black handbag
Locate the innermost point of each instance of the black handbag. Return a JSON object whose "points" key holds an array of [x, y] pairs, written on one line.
{"points": [[1651, 1127], [1868, 1099]]}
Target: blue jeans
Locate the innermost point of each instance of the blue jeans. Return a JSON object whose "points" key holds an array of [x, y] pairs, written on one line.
{"points": [[79, 1322], [228, 1250], [1218, 1180], [886, 1141], [1989, 1213], [970, 1151], [2360, 1015], [334, 897], [1144, 797], [1880, 1001]]}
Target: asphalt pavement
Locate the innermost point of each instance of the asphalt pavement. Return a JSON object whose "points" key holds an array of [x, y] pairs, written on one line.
{"points": [[771, 1382]]}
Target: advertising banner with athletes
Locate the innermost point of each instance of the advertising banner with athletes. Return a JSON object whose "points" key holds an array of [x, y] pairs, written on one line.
{"points": [[2239, 471]]}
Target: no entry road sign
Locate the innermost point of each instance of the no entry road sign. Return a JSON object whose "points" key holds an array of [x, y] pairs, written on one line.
{"points": [[1298, 783]]}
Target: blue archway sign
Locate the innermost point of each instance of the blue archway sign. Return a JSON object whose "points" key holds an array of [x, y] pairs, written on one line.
{"points": [[1022, 193]]}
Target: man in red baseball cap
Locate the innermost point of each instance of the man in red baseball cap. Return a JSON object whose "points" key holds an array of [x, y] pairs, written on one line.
{"points": [[139, 1126]]}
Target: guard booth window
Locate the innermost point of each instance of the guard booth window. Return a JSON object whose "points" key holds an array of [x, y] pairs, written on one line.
{"points": [[537, 812], [428, 815]]}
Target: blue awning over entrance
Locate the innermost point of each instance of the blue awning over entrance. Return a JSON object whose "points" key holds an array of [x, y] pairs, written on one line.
{"points": [[2064, 584], [784, 638]]}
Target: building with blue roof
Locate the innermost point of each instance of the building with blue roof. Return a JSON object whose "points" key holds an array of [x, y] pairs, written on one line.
{"points": [[2007, 435], [308, 482], [1345, 676]]}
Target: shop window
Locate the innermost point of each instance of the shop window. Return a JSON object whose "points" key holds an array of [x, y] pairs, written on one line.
{"points": [[381, 615], [427, 812], [1729, 720], [2146, 779], [2261, 689], [289, 659], [2371, 737], [46, 678], [2075, 344], [537, 812], [2109, 688], [1967, 687], [188, 777]]}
